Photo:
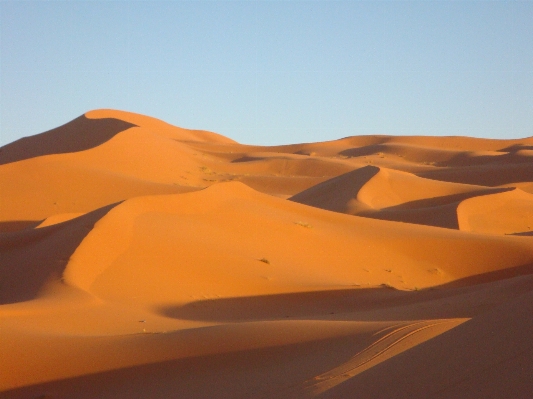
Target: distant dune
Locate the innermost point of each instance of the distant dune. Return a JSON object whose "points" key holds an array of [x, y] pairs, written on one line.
{"points": [[143, 260]]}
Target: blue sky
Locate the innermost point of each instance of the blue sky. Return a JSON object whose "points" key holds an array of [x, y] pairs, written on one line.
{"points": [[272, 72]]}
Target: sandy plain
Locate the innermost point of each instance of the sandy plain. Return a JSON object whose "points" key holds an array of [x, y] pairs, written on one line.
{"points": [[143, 260]]}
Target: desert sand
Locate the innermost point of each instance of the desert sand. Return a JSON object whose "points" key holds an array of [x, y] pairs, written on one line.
{"points": [[143, 260]]}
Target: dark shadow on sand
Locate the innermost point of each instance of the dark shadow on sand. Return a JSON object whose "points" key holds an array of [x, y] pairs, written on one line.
{"points": [[484, 175], [523, 234], [16, 225], [335, 193], [253, 373], [322, 305], [436, 211], [79, 134], [32, 257]]}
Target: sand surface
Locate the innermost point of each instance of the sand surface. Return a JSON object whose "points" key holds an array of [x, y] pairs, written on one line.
{"points": [[143, 260]]}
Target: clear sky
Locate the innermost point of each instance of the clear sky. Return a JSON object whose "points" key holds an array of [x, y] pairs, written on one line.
{"points": [[272, 72]]}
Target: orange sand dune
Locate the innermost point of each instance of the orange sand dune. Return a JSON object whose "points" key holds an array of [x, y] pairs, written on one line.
{"points": [[387, 194], [503, 213], [65, 187], [143, 260], [415, 145], [158, 126], [240, 227], [135, 161], [378, 188]]}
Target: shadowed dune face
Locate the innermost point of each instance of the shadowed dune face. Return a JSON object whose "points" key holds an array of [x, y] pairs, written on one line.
{"points": [[337, 194], [16, 225], [239, 373], [375, 304], [78, 135], [471, 373], [444, 151], [140, 259], [32, 258], [484, 175]]}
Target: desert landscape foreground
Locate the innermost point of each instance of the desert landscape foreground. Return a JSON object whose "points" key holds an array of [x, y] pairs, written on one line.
{"points": [[143, 260]]}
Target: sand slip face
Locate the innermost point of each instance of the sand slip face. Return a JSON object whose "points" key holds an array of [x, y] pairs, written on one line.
{"points": [[139, 259]]}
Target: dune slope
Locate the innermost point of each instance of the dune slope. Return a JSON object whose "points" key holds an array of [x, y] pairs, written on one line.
{"points": [[144, 260]]}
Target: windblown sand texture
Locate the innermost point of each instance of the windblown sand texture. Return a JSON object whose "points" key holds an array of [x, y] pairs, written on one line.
{"points": [[143, 260]]}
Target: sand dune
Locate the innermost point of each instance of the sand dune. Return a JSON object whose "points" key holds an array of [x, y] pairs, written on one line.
{"points": [[143, 260], [382, 193], [137, 229], [503, 213], [158, 127]]}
